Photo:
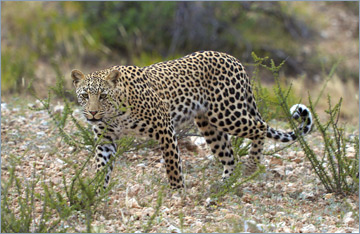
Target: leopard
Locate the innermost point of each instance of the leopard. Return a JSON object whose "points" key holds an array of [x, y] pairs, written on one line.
{"points": [[209, 88]]}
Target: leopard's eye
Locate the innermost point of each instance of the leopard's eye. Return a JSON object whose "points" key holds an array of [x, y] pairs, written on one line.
{"points": [[103, 96], [85, 95]]}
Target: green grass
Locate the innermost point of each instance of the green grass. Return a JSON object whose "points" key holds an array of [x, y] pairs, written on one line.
{"points": [[341, 173]]}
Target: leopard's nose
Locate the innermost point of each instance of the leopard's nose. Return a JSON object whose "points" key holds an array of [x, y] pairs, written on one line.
{"points": [[93, 113]]}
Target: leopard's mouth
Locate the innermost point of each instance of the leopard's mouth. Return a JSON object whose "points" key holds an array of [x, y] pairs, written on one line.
{"points": [[94, 120]]}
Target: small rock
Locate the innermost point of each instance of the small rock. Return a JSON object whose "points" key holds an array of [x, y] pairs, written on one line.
{"points": [[41, 133], [199, 140], [278, 171], [38, 104], [148, 211], [286, 229], [72, 149], [132, 203], [297, 160], [308, 229], [30, 105], [165, 210], [42, 146], [4, 106], [210, 157], [307, 195], [59, 108], [276, 161], [328, 195], [24, 147], [173, 229], [251, 226], [261, 227], [341, 230], [44, 123], [134, 190], [60, 161], [209, 202], [348, 220]]}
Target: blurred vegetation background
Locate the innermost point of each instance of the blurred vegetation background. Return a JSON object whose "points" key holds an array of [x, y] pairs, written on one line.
{"points": [[318, 40]]}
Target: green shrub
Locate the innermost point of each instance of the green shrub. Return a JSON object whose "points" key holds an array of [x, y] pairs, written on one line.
{"points": [[14, 188], [337, 172], [266, 100]]}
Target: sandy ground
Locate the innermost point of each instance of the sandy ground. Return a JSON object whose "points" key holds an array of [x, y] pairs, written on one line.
{"points": [[288, 197]]}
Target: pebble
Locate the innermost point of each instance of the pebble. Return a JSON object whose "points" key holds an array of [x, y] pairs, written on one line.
{"points": [[88, 147], [4, 106], [307, 195], [58, 108], [209, 202], [348, 220], [31, 105], [165, 210], [328, 195], [252, 227], [38, 104], [72, 149], [173, 229], [132, 203], [211, 157], [308, 229], [40, 134], [60, 161], [148, 211], [198, 140], [134, 190]]}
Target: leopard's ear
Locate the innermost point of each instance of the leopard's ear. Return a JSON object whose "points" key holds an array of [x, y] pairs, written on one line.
{"points": [[77, 76], [113, 77]]}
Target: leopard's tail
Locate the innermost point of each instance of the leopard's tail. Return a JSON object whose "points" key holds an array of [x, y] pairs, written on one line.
{"points": [[297, 111]]}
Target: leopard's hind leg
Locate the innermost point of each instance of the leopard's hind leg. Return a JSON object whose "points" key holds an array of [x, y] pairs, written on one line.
{"points": [[219, 142], [255, 155]]}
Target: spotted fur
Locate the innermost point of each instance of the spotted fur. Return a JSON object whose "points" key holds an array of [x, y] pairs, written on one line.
{"points": [[208, 87]]}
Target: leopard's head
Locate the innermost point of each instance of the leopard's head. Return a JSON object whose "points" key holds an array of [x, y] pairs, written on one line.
{"points": [[95, 93]]}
